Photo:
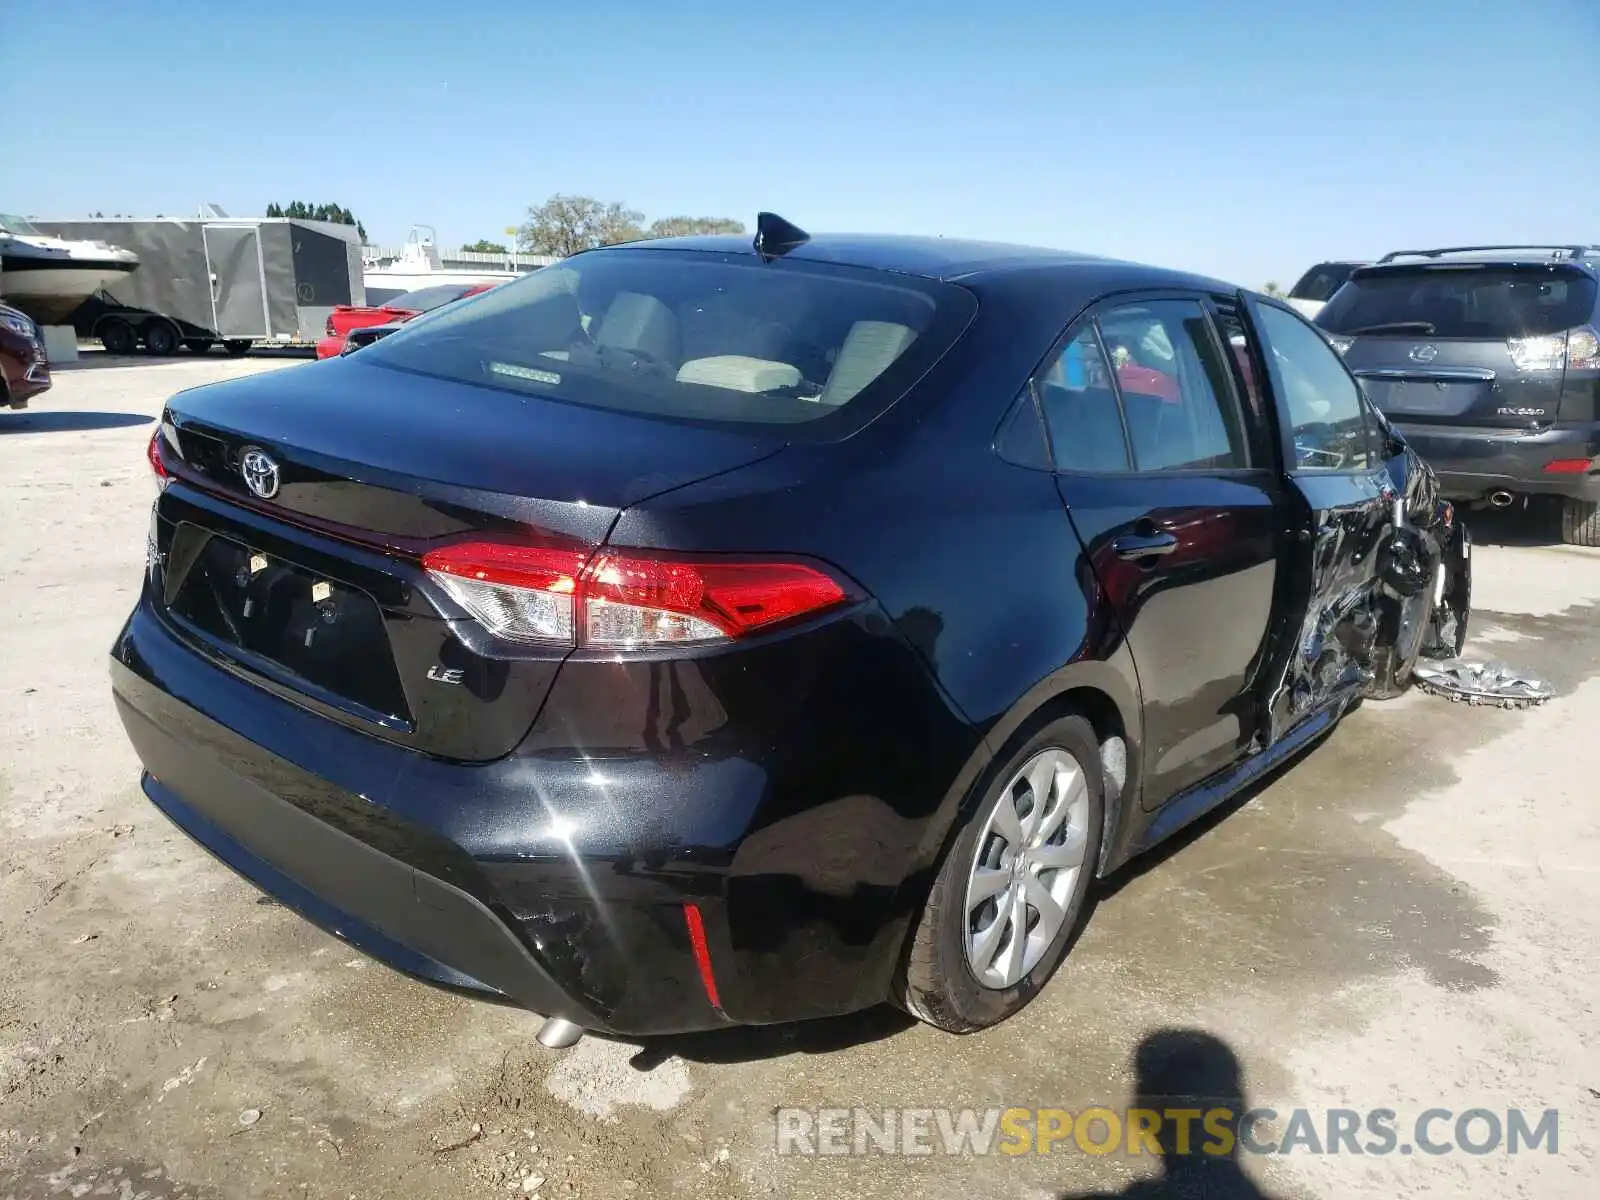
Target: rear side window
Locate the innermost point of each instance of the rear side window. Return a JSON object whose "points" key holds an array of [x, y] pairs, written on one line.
{"points": [[1177, 393], [1320, 403], [425, 299], [1461, 302], [691, 336], [1080, 408], [1322, 281]]}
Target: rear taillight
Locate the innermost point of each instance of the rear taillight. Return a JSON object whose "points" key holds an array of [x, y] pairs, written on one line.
{"points": [[158, 464], [625, 599], [1569, 466], [520, 593], [329, 330], [1583, 349], [636, 600], [1576, 349]]}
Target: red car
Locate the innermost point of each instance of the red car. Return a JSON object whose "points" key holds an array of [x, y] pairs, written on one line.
{"points": [[24, 369], [403, 307]]}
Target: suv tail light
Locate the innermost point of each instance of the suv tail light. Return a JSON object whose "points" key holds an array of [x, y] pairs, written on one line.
{"points": [[153, 452], [1576, 349], [329, 330], [624, 599]]}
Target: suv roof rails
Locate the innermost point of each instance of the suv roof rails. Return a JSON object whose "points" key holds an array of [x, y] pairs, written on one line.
{"points": [[1570, 252]]}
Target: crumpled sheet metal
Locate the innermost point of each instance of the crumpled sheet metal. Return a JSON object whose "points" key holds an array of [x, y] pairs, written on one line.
{"points": [[1470, 682]]}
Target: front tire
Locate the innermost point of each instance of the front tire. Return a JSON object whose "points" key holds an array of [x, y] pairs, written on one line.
{"points": [[1580, 522], [1011, 891]]}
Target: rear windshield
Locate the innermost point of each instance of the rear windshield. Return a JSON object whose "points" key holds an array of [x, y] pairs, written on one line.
{"points": [[692, 336], [1464, 302], [424, 299], [1322, 281]]}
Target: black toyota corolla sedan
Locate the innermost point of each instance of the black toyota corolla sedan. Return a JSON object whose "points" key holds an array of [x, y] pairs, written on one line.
{"points": [[710, 631]]}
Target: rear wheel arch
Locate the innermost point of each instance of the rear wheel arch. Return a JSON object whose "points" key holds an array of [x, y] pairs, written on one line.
{"points": [[1092, 690]]}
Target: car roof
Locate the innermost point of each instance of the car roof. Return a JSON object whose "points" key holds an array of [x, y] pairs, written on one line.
{"points": [[950, 259]]}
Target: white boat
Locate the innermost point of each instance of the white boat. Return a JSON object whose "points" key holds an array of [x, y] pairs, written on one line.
{"points": [[48, 277], [419, 265]]}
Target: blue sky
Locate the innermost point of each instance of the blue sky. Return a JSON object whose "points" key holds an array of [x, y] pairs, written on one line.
{"points": [[1243, 138]]}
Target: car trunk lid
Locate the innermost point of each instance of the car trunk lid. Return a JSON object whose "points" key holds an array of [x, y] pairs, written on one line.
{"points": [[1454, 382], [310, 582]]}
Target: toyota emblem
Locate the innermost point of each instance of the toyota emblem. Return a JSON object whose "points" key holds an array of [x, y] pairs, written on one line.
{"points": [[1424, 354], [260, 472]]}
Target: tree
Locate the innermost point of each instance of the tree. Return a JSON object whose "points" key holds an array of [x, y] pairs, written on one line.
{"points": [[1271, 288], [485, 246], [301, 211], [566, 225], [665, 227]]}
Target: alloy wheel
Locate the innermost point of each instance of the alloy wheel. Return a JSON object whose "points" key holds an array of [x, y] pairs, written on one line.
{"points": [[1026, 868]]}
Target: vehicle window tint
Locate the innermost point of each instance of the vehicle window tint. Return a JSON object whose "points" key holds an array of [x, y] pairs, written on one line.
{"points": [[1080, 408], [1465, 302], [1020, 439], [693, 337], [425, 299], [1176, 392], [1325, 410], [1322, 281]]}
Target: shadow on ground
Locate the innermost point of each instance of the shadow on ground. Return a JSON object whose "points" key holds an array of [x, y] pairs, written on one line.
{"points": [[45, 421], [1193, 1071], [756, 1043], [1536, 522]]}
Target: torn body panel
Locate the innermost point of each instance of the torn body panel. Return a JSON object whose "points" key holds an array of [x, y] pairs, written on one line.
{"points": [[1377, 584]]}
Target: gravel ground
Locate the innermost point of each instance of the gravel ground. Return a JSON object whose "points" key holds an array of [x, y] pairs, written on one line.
{"points": [[1407, 918]]}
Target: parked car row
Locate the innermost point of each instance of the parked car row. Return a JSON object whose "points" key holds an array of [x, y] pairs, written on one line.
{"points": [[24, 365], [710, 632], [1487, 359], [352, 326]]}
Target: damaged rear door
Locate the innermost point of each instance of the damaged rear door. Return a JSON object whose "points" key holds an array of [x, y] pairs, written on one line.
{"points": [[1340, 616]]}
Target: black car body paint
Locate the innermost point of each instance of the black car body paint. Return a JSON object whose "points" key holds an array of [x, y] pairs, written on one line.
{"points": [[531, 821]]}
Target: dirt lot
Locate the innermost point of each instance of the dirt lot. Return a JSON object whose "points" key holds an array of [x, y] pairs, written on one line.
{"points": [[1408, 918]]}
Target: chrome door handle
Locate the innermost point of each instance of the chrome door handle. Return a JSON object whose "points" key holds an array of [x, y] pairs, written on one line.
{"points": [[1132, 547]]}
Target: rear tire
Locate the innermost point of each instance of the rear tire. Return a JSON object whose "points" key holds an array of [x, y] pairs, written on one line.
{"points": [[971, 963], [160, 339], [117, 336], [236, 348], [198, 345], [1580, 522]]}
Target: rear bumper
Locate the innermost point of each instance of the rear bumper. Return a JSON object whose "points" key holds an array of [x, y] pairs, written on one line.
{"points": [[556, 880], [1471, 463], [330, 347]]}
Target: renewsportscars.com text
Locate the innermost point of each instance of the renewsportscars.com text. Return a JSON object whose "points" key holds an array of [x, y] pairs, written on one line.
{"points": [[1216, 1131]]}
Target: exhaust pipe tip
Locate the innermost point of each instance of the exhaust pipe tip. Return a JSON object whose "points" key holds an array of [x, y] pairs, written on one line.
{"points": [[557, 1034], [1501, 499]]}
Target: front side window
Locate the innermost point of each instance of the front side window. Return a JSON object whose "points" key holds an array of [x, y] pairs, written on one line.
{"points": [[1319, 400], [692, 336], [1177, 391]]}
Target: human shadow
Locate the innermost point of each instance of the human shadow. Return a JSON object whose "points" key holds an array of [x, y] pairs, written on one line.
{"points": [[1189, 1069], [65, 421]]}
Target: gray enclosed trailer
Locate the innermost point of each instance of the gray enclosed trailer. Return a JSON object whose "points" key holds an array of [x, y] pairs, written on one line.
{"points": [[206, 280]]}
